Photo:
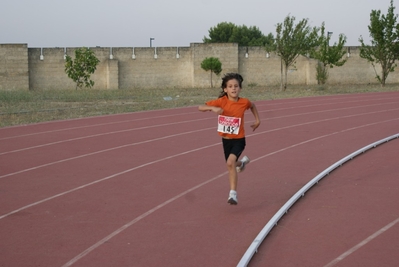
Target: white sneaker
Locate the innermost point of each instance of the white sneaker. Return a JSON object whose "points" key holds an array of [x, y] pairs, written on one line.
{"points": [[232, 200], [244, 161]]}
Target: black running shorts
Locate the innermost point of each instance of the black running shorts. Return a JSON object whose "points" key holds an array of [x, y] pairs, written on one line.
{"points": [[233, 146]]}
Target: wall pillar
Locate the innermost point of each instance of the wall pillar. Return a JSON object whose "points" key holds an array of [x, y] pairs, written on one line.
{"points": [[112, 74], [14, 67]]}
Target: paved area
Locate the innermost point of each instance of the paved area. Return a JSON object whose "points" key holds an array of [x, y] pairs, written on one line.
{"points": [[150, 188], [351, 218]]}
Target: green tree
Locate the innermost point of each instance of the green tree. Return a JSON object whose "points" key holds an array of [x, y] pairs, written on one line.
{"points": [[384, 48], [291, 41], [328, 55], [221, 33], [80, 69], [212, 64], [251, 36], [227, 32]]}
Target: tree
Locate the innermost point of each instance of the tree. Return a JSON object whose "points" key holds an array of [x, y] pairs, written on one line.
{"points": [[384, 48], [252, 36], [221, 33], [227, 32], [328, 55], [292, 41], [212, 64], [80, 69]]}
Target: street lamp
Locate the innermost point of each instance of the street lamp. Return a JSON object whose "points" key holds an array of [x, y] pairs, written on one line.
{"points": [[328, 37], [151, 39]]}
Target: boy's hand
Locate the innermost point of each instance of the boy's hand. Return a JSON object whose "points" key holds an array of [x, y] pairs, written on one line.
{"points": [[255, 125]]}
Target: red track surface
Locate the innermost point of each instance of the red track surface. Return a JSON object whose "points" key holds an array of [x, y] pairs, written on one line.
{"points": [[150, 188], [349, 219]]}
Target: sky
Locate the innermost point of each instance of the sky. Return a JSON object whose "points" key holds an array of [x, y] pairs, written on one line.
{"points": [[172, 23]]}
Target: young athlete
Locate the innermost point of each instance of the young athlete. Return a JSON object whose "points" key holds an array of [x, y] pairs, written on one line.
{"points": [[230, 109]]}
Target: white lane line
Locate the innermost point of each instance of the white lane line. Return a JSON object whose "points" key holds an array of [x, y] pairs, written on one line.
{"points": [[183, 153], [334, 103], [104, 179], [361, 244], [253, 248], [159, 206], [101, 151], [189, 121], [93, 125], [179, 114], [97, 135], [107, 238], [142, 216], [147, 141], [319, 137]]}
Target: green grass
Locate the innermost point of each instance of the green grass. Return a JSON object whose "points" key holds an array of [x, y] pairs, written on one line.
{"points": [[25, 107]]}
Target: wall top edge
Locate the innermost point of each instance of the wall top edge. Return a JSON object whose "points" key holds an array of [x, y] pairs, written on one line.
{"points": [[14, 44], [127, 47], [143, 47]]}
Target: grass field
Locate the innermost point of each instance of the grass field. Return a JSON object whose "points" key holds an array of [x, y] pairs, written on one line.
{"points": [[25, 107]]}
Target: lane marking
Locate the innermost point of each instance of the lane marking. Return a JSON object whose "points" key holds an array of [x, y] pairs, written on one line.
{"points": [[142, 216], [176, 155], [180, 122], [253, 248], [100, 151], [147, 141], [93, 125], [361, 244], [103, 179], [97, 135], [177, 114], [107, 238], [170, 136]]}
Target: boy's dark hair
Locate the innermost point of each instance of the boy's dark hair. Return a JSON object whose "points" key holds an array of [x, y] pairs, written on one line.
{"points": [[227, 77]]}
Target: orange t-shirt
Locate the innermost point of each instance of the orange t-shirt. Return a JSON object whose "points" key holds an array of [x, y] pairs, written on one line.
{"points": [[233, 112]]}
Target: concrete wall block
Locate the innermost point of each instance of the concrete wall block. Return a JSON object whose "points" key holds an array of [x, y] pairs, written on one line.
{"points": [[14, 67], [137, 67]]}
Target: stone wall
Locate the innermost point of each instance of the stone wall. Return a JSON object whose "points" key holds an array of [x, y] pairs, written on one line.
{"points": [[357, 70], [169, 67], [14, 72], [154, 67]]}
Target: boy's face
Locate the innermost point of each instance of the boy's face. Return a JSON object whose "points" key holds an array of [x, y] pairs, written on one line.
{"points": [[232, 89]]}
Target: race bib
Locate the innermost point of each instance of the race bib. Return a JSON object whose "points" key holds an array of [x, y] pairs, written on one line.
{"points": [[229, 125]]}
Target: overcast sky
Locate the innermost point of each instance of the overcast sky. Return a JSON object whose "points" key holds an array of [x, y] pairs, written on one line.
{"points": [[131, 23]]}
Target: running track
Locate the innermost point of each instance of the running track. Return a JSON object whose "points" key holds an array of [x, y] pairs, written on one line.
{"points": [[150, 188]]}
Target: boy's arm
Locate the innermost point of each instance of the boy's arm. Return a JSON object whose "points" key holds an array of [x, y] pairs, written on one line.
{"points": [[217, 110], [254, 111]]}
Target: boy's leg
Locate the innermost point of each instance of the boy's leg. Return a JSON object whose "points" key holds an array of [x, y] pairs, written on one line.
{"points": [[231, 167], [242, 163], [233, 150]]}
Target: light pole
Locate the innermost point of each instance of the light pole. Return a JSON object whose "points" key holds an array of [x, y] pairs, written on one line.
{"points": [[328, 37], [151, 39]]}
